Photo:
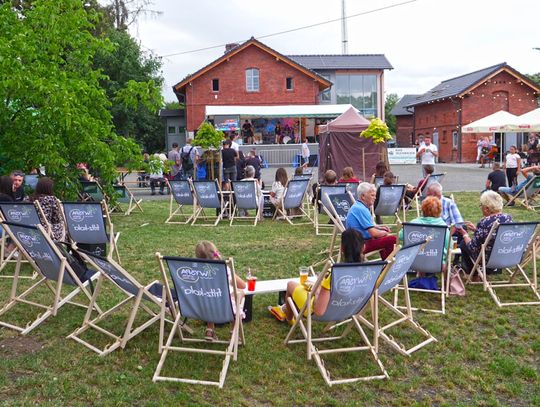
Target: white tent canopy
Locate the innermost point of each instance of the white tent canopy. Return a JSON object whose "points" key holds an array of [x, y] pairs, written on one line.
{"points": [[527, 122], [496, 122], [319, 111]]}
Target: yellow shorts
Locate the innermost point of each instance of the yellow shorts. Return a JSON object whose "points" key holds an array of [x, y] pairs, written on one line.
{"points": [[300, 295]]}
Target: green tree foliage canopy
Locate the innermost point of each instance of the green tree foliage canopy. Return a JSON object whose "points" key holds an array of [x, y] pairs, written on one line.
{"points": [[53, 111], [377, 131], [391, 100]]}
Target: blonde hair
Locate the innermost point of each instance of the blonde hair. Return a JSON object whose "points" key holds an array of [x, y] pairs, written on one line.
{"points": [[492, 201], [207, 250]]}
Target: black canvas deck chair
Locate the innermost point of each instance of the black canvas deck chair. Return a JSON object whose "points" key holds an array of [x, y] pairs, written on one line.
{"points": [[528, 195], [181, 197], [293, 200], [390, 203], [202, 289], [339, 205], [245, 199], [394, 273], [510, 244], [141, 299], [208, 195], [23, 213], [124, 197], [90, 228], [52, 263], [91, 191], [352, 286], [428, 261], [378, 181], [323, 193]]}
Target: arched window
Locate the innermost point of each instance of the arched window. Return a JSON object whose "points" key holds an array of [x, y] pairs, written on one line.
{"points": [[252, 80]]}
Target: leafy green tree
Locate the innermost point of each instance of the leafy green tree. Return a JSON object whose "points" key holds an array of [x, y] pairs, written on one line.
{"points": [[390, 119], [132, 81], [377, 131], [53, 111]]}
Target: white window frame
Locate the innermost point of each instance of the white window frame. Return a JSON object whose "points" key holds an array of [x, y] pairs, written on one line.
{"points": [[253, 80]]}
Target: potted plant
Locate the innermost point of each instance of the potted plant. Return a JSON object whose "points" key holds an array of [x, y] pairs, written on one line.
{"points": [[210, 139]]}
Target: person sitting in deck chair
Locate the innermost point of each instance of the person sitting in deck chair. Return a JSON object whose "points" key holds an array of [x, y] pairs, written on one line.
{"points": [[412, 191], [528, 173], [278, 187], [352, 246], [491, 205], [208, 250]]}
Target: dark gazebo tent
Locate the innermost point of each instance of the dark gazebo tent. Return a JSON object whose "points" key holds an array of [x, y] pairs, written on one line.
{"points": [[340, 146]]}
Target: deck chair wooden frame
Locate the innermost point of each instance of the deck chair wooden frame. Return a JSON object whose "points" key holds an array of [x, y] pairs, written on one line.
{"points": [[415, 199], [245, 198], [125, 196], [204, 269], [23, 213], [383, 208], [137, 296], [514, 257], [339, 206], [181, 196], [213, 201], [395, 272], [437, 239], [529, 195], [293, 198], [92, 191], [323, 192], [74, 214], [34, 243], [369, 272]]}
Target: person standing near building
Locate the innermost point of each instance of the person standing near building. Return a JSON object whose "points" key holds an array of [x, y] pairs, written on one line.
{"points": [[305, 152], [427, 154], [189, 156], [247, 132], [512, 165], [174, 156]]}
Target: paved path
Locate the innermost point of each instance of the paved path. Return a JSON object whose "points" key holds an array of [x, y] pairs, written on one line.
{"points": [[459, 177]]}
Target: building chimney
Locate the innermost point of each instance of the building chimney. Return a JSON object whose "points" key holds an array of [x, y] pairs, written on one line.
{"points": [[230, 46]]}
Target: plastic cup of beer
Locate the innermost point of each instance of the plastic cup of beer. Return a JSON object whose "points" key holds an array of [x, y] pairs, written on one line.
{"points": [[251, 283], [304, 273]]}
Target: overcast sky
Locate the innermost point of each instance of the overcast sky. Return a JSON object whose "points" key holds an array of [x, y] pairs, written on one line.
{"points": [[426, 41]]}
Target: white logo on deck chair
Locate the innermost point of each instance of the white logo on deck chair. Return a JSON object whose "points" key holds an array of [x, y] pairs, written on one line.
{"points": [[26, 239], [78, 215], [511, 235], [190, 275], [17, 214], [416, 236]]}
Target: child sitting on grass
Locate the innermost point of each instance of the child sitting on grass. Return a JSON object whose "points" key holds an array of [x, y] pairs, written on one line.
{"points": [[208, 250]]}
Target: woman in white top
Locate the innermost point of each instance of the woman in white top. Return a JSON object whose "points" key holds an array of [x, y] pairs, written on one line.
{"points": [[278, 187], [512, 165]]}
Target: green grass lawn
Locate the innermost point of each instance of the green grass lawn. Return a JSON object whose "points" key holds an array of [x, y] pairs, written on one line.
{"points": [[484, 355]]}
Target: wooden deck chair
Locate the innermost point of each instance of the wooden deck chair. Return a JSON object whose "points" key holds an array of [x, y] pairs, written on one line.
{"points": [[23, 213], [339, 205], [352, 286], [90, 228], [124, 196], [208, 195], [510, 243], [414, 202], [323, 193], [92, 191], [141, 299], [390, 203], [245, 198], [55, 272], [396, 272], [181, 197], [203, 292], [429, 260], [293, 198], [528, 195]]}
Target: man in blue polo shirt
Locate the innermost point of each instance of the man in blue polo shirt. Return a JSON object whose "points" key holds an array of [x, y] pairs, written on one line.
{"points": [[359, 218]]}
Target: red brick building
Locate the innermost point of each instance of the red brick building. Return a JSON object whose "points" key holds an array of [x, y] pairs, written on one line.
{"points": [[442, 111], [249, 74]]}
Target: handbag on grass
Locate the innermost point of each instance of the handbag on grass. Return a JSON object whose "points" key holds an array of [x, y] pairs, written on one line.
{"points": [[456, 283]]}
